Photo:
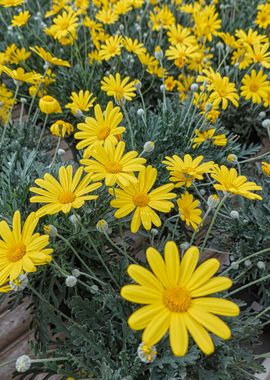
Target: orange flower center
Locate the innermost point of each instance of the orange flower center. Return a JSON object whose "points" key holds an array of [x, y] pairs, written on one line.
{"points": [[103, 133], [141, 199], [113, 167], [253, 87], [177, 299], [16, 252], [67, 197]]}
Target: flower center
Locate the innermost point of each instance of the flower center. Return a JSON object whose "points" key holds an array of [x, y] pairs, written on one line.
{"points": [[67, 197], [119, 93], [141, 199], [177, 299], [113, 167], [103, 133], [16, 252], [254, 87]]}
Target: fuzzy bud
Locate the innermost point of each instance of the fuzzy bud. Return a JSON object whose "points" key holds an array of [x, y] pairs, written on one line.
{"points": [[20, 283], [78, 114], [194, 87], [162, 88], [50, 230], [235, 266], [61, 152], [76, 273], [261, 265], [208, 107], [232, 158], [138, 84], [154, 232], [149, 146], [266, 123], [23, 363], [234, 214], [184, 246], [140, 112], [102, 226], [23, 100], [146, 353], [213, 201], [247, 263], [159, 55], [262, 115], [71, 281], [75, 219], [220, 45]]}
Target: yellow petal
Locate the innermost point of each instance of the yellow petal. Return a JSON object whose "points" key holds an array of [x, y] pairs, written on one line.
{"points": [[178, 335], [142, 317], [217, 306], [188, 265], [158, 327], [157, 265], [214, 285], [210, 322], [140, 294], [200, 335], [203, 273], [172, 262], [144, 277]]}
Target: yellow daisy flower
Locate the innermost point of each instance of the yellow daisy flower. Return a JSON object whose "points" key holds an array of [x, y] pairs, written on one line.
{"points": [[64, 27], [266, 168], [103, 129], [255, 86], [111, 48], [20, 19], [21, 250], [110, 163], [175, 295], [81, 101], [230, 182], [208, 135], [63, 195], [61, 128], [139, 198], [134, 46], [11, 3], [20, 75], [48, 104], [107, 16], [185, 171], [180, 54], [48, 57], [222, 91], [119, 89], [189, 210]]}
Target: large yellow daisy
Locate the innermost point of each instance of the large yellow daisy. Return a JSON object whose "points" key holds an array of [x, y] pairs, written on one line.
{"points": [[137, 197], [110, 163], [63, 195], [103, 129], [231, 182], [175, 298], [119, 89], [21, 250]]}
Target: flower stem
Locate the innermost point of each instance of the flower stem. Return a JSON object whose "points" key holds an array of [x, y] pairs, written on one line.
{"points": [[42, 132], [248, 285], [55, 152], [129, 126]]}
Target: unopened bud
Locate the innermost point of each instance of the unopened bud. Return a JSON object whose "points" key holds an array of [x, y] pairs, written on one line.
{"points": [[213, 200], [247, 263], [140, 112], [71, 281], [208, 107], [162, 88], [154, 232], [23, 363], [184, 246], [266, 123], [261, 265], [76, 273], [102, 226], [194, 87], [232, 158], [234, 214], [61, 152], [75, 219], [149, 146], [50, 230], [262, 115]]}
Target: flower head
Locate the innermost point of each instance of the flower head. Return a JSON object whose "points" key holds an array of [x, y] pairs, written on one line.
{"points": [[189, 210], [175, 297], [48, 104], [185, 171], [21, 250], [103, 129], [81, 101], [210, 136], [119, 89], [20, 19], [139, 198], [255, 86], [231, 182], [63, 195], [48, 57], [61, 128], [266, 168]]}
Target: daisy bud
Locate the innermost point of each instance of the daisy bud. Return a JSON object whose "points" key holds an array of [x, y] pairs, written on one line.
{"points": [[232, 158], [23, 363], [235, 266], [262, 115], [9, 28], [138, 84], [76, 273], [46, 65], [159, 55], [23, 100], [208, 107], [234, 214], [102, 226], [184, 246], [20, 283], [121, 102], [213, 201], [145, 35], [266, 123], [140, 112], [247, 263], [162, 88], [75, 219], [78, 114], [50, 230], [202, 191], [261, 265], [71, 281], [149, 146], [220, 45], [121, 27], [61, 152], [194, 87], [48, 105], [146, 353], [137, 27], [154, 232]]}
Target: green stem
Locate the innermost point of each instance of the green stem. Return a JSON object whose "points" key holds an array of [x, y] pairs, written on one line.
{"points": [[262, 313], [248, 285], [213, 221], [42, 132], [55, 152], [118, 248], [129, 126], [47, 360]]}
